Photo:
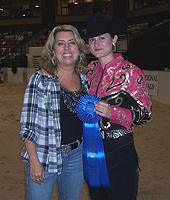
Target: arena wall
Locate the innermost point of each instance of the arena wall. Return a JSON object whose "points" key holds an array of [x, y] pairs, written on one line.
{"points": [[163, 81]]}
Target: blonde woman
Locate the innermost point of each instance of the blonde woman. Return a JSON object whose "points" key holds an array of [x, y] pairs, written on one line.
{"points": [[50, 128]]}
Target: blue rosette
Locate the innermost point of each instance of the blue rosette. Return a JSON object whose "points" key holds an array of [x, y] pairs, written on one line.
{"points": [[94, 165], [86, 110]]}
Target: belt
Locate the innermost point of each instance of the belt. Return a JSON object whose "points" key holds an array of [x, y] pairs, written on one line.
{"points": [[65, 148], [114, 134]]}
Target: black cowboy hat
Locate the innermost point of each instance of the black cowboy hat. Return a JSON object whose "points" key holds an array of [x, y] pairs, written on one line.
{"points": [[98, 24]]}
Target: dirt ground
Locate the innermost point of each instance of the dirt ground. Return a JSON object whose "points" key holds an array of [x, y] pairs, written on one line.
{"points": [[151, 140]]}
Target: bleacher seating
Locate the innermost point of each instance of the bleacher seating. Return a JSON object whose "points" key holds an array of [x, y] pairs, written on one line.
{"points": [[137, 29], [40, 42]]}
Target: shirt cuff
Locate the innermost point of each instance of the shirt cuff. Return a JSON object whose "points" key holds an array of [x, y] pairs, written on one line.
{"points": [[122, 116], [28, 134]]}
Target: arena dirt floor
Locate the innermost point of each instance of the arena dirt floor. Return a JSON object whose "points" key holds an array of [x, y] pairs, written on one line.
{"points": [[152, 142]]}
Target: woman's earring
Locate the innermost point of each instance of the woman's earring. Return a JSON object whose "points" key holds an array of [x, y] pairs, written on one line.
{"points": [[114, 43], [80, 58], [54, 60]]}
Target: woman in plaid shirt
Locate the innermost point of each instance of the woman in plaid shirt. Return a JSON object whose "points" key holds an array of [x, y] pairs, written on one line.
{"points": [[49, 127]]}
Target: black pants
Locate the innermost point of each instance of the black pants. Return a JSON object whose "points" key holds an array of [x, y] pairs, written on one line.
{"points": [[122, 166]]}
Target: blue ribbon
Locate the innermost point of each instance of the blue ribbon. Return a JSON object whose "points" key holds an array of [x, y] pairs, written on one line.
{"points": [[94, 164]]}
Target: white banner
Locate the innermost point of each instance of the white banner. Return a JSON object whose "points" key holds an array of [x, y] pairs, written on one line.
{"points": [[152, 82]]}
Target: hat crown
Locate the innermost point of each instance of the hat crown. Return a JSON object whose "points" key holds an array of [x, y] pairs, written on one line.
{"points": [[97, 20], [98, 24]]}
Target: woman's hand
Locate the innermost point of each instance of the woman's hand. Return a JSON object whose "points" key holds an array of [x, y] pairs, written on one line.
{"points": [[37, 172], [36, 169], [103, 109]]}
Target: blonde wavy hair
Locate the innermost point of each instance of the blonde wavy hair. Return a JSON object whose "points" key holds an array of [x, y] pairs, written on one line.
{"points": [[47, 55]]}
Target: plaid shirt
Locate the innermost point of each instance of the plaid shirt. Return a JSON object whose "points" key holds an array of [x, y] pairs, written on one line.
{"points": [[40, 120]]}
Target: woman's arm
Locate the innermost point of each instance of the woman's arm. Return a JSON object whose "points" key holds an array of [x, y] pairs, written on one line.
{"points": [[140, 101], [27, 128], [36, 169], [116, 115]]}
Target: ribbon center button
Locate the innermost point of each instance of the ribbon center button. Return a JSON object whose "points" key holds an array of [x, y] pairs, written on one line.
{"points": [[89, 108]]}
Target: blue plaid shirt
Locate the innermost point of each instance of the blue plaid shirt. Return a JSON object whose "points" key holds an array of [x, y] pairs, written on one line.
{"points": [[40, 120]]}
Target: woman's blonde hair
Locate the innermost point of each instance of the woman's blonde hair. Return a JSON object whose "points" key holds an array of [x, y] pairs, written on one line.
{"points": [[47, 63]]}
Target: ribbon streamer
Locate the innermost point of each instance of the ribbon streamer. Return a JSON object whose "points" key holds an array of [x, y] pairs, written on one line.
{"points": [[94, 164]]}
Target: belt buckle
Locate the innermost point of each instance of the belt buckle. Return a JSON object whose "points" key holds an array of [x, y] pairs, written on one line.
{"points": [[65, 148]]}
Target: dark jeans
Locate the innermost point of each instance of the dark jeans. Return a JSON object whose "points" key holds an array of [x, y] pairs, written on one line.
{"points": [[122, 166]]}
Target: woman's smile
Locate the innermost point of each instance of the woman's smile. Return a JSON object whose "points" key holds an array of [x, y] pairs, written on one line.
{"points": [[67, 55], [98, 49]]}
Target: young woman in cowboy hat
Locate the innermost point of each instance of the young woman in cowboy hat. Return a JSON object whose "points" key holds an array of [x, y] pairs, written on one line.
{"points": [[125, 103]]}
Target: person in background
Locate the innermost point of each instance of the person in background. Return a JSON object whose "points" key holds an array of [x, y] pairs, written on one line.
{"points": [[125, 103], [20, 37], [49, 126]]}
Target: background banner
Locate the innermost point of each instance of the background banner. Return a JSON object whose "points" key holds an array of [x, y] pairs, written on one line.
{"points": [[152, 79]]}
